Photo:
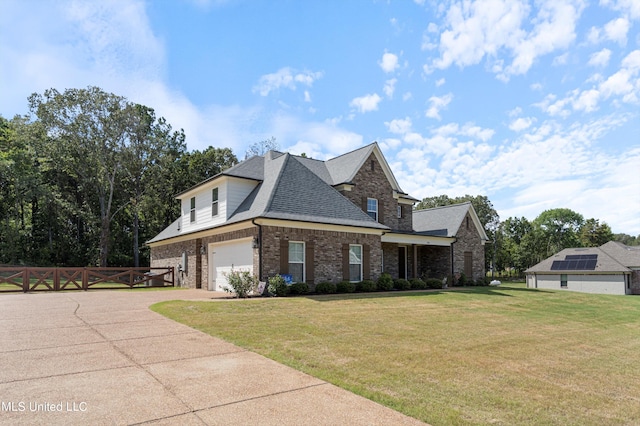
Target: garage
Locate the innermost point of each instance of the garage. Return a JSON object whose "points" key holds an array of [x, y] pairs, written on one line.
{"points": [[223, 257]]}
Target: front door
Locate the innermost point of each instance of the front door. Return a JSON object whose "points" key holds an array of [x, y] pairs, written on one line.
{"points": [[402, 262]]}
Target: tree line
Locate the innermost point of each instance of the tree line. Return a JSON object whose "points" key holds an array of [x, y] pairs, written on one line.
{"points": [[87, 167], [516, 243]]}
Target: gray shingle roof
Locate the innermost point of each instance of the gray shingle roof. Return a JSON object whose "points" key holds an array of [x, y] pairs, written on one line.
{"points": [[291, 188], [610, 259], [625, 255], [441, 220], [291, 191]]}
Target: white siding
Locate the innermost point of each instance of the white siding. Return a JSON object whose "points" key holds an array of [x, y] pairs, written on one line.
{"points": [[600, 284], [231, 193], [237, 191]]}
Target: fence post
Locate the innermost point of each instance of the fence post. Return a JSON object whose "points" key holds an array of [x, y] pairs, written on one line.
{"points": [[85, 279], [25, 280], [56, 279]]}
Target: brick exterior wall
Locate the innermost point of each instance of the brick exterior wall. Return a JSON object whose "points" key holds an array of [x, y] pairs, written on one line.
{"points": [[635, 282], [327, 254], [468, 240], [371, 182], [171, 255], [434, 261]]}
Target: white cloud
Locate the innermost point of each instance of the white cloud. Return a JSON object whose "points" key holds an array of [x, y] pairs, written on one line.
{"points": [[307, 96], [406, 96], [600, 59], [628, 7], [440, 82], [436, 104], [366, 103], [487, 28], [616, 30], [587, 100], [389, 62], [390, 87], [521, 123], [399, 125], [285, 77]]}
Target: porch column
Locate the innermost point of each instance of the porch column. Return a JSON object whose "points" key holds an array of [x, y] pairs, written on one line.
{"points": [[415, 260]]}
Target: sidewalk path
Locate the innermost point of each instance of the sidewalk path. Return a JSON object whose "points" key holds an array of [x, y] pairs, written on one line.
{"points": [[103, 358]]}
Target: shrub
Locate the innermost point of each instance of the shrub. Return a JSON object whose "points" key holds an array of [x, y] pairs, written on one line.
{"points": [[418, 284], [299, 288], [434, 283], [345, 287], [484, 281], [463, 280], [326, 288], [366, 286], [277, 286], [242, 283], [385, 282], [401, 284]]}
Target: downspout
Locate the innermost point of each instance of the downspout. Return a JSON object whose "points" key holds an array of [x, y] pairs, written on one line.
{"points": [[253, 221], [455, 240]]}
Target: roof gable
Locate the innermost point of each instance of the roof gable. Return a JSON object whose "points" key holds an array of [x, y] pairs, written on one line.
{"points": [[344, 168]]}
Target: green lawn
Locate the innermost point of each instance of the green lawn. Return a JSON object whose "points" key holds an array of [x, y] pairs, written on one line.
{"points": [[479, 355]]}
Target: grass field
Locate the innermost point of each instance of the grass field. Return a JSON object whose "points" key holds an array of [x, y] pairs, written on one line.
{"points": [[479, 355]]}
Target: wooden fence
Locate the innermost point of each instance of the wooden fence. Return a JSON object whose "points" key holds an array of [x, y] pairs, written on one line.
{"points": [[25, 279]]}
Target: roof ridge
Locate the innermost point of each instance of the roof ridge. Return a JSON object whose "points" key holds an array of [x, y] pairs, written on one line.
{"points": [[443, 207], [285, 159]]}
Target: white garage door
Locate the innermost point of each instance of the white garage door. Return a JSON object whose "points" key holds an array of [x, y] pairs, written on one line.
{"points": [[223, 257]]}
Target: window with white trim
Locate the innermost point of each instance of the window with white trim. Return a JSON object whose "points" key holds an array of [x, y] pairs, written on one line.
{"points": [[192, 210], [563, 281], [372, 208], [214, 202], [399, 211], [296, 261], [355, 263]]}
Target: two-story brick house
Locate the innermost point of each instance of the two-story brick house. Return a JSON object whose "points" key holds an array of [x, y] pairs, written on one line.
{"points": [[341, 219]]}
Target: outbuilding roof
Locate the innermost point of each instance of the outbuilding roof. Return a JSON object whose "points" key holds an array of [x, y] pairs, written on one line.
{"points": [[611, 257]]}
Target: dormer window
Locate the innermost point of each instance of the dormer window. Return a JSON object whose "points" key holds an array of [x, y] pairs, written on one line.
{"points": [[192, 210], [214, 202], [372, 208]]}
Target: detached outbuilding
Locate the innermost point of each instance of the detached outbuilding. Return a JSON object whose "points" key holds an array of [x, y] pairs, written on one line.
{"points": [[612, 268]]}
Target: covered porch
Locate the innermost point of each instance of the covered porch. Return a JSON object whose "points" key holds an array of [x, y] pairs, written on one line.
{"points": [[415, 255]]}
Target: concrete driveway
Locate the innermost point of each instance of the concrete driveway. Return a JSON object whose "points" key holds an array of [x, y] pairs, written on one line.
{"points": [[104, 358]]}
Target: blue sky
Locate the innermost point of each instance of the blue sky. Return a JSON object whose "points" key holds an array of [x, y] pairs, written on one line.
{"points": [[535, 104]]}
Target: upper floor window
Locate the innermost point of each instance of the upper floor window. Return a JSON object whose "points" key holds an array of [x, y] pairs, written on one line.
{"points": [[214, 202], [372, 208], [296, 261], [399, 212], [192, 210]]}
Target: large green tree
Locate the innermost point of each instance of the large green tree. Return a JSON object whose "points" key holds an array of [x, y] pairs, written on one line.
{"points": [[592, 233], [559, 229]]}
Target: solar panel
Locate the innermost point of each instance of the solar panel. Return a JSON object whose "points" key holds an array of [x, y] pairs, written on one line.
{"points": [[591, 264], [581, 257], [555, 266]]}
